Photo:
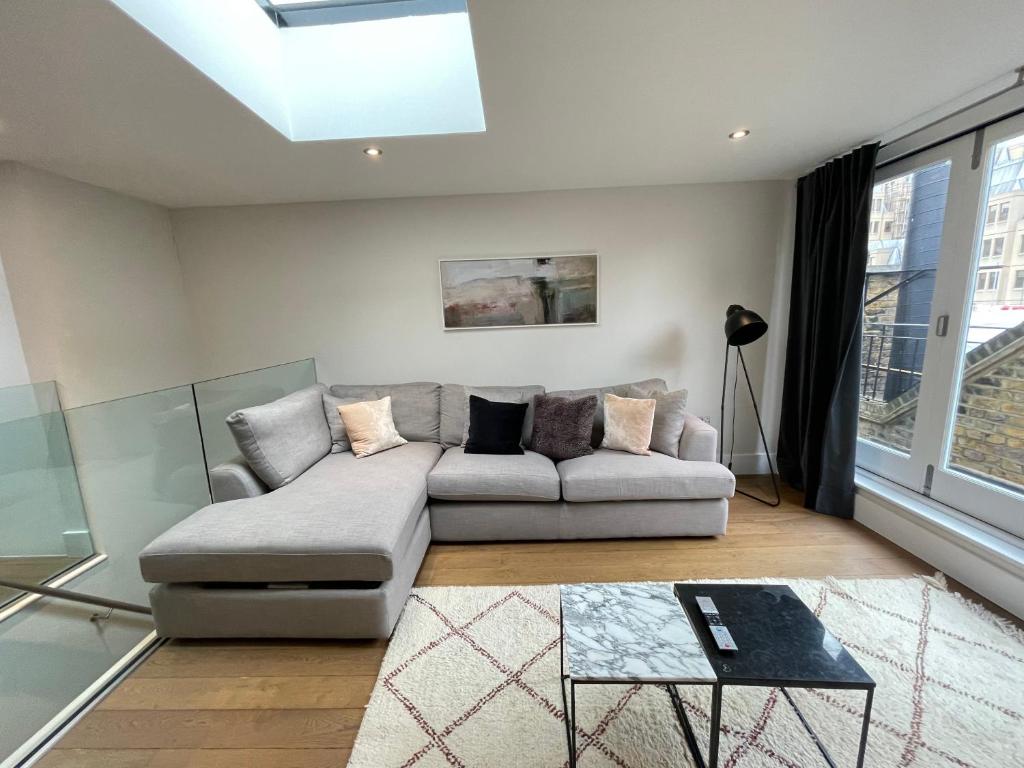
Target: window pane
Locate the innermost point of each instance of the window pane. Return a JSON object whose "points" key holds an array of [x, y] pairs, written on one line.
{"points": [[898, 301], [988, 434]]}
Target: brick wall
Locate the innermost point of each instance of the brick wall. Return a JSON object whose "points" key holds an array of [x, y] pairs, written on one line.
{"points": [[988, 438]]}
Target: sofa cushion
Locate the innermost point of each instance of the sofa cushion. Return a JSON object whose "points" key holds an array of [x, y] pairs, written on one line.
{"points": [[617, 476], [282, 439], [669, 419], [495, 427], [622, 390], [415, 407], [455, 408], [345, 519], [562, 427], [461, 476], [339, 435]]}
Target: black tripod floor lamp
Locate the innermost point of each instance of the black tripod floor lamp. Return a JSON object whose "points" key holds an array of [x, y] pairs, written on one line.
{"points": [[743, 326]]}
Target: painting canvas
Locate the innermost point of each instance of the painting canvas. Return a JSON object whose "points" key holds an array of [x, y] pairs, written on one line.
{"points": [[519, 291]]}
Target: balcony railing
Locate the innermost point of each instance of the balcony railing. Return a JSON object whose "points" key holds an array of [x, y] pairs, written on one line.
{"points": [[892, 359]]}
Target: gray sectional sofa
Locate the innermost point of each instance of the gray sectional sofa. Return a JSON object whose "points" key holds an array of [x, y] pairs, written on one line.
{"points": [[334, 550]]}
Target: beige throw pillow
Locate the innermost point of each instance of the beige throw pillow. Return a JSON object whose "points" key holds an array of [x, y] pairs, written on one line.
{"points": [[628, 423], [669, 419], [370, 426]]}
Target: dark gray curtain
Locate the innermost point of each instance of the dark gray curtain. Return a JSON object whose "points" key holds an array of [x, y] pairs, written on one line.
{"points": [[818, 431]]}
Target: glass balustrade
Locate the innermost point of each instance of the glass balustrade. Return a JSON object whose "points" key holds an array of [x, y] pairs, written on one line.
{"points": [[107, 477]]}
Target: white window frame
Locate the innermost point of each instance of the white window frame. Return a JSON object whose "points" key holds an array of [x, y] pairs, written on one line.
{"points": [[908, 468], [953, 296]]}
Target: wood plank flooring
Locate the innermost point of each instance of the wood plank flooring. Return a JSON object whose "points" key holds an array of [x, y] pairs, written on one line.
{"points": [[299, 704]]}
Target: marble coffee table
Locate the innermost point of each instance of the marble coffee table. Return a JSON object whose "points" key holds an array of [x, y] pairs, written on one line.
{"points": [[626, 634]]}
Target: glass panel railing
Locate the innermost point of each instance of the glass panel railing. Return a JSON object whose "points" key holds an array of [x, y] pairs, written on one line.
{"points": [[42, 519], [140, 466], [138, 469], [216, 398]]}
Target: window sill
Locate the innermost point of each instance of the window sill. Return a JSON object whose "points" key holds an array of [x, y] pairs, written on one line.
{"points": [[990, 543]]}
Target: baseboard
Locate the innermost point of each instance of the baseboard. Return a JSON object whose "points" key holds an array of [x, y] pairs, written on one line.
{"points": [[750, 463], [985, 563]]}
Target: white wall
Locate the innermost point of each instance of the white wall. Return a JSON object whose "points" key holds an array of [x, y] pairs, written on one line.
{"points": [[355, 284], [13, 370], [95, 285]]}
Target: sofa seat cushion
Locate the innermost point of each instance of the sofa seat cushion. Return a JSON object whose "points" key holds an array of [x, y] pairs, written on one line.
{"points": [[344, 519], [461, 476], [617, 476]]}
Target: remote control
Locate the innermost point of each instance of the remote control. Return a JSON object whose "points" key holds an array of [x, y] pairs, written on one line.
{"points": [[719, 631]]}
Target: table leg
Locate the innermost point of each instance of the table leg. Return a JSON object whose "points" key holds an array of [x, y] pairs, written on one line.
{"points": [[684, 723], [572, 740], [570, 721], [716, 724], [864, 728]]}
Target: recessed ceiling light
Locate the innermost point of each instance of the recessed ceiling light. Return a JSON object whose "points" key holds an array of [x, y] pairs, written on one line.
{"points": [[373, 152], [742, 133]]}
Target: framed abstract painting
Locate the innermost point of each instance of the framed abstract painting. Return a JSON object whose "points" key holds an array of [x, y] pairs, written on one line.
{"points": [[518, 291]]}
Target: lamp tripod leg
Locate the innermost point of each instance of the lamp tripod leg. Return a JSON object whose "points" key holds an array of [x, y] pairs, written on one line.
{"points": [[760, 429]]}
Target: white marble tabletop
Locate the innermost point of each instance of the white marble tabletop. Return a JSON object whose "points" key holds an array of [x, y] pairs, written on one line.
{"points": [[630, 633]]}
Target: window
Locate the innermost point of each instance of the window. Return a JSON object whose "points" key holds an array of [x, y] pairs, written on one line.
{"points": [[992, 248], [998, 214], [874, 229], [988, 280], [968, 453], [876, 205], [888, 228]]}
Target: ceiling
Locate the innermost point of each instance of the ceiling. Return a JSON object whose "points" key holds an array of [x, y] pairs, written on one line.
{"points": [[576, 93]]}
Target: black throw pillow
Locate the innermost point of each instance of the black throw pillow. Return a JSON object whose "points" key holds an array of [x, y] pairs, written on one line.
{"points": [[495, 427], [562, 427]]}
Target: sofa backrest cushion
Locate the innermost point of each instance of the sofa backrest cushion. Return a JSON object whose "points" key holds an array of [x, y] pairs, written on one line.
{"points": [[621, 390], [284, 438], [415, 407], [455, 408]]}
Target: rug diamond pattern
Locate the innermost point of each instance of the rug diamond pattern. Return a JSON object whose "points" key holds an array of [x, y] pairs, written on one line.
{"points": [[471, 679]]}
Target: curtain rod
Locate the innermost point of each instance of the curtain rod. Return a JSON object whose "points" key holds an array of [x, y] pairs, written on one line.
{"points": [[1002, 91], [968, 107]]}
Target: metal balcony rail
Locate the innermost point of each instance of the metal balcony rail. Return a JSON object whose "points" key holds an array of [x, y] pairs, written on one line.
{"points": [[891, 361]]}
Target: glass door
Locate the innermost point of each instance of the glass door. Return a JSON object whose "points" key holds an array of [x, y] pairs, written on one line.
{"points": [[908, 239], [980, 469]]}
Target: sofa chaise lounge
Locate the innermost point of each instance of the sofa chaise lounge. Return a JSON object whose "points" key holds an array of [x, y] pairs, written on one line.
{"points": [[334, 551]]}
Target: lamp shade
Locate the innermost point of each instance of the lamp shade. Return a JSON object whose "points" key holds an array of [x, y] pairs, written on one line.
{"points": [[743, 326]]}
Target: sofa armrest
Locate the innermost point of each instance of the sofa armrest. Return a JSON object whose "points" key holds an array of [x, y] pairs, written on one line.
{"points": [[699, 441], [235, 480]]}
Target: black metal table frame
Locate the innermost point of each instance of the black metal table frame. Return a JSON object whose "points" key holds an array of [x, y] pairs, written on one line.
{"points": [[569, 708], [677, 704], [716, 718]]}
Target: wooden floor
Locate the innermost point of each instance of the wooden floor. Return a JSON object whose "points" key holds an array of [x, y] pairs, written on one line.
{"points": [[299, 704]]}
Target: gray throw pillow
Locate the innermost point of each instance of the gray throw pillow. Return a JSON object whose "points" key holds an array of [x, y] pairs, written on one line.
{"points": [[669, 418], [562, 428], [339, 437], [282, 439]]}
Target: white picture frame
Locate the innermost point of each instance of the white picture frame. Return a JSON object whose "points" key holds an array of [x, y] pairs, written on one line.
{"points": [[493, 292]]}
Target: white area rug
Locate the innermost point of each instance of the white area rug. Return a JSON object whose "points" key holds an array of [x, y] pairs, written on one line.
{"points": [[471, 679]]}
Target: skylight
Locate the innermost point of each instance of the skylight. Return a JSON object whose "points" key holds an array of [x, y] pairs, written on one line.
{"points": [[304, 13], [332, 69]]}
